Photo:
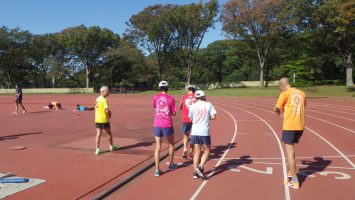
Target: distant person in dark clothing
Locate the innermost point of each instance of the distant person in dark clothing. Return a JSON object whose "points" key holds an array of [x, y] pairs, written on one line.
{"points": [[18, 100]]}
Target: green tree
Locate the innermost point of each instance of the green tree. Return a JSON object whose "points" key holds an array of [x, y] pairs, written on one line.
{"points": [[256, 22], [14, 54], [190, 23], [150, 30], [86, 46], [337, 20]]}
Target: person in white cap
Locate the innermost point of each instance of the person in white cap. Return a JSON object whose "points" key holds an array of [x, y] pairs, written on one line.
{"points": [[201, 113], [186, 102], [165, 108]]}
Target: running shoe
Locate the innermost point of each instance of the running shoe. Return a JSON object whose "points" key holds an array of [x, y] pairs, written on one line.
{"points": [[195, 176], [158, 173], [172, 166], [184, 155], [293, 184], [99, 151], [200, 172], [24, 112], [114, 147], [15, 113]]}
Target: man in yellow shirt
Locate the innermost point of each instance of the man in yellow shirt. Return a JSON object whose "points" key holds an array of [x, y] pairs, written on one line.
{"points": [[292, 103], [102, 116]]}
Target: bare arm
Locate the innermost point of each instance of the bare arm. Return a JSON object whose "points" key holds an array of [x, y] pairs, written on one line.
{"points": [[181, 104]]}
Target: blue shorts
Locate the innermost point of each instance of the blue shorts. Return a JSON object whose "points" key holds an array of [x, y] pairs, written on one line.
{"points": [[291, 137], [160, 132], [186, 127], [195, 139]]}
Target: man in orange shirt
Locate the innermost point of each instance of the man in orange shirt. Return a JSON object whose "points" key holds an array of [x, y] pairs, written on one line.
{"points": [[292, 103]]}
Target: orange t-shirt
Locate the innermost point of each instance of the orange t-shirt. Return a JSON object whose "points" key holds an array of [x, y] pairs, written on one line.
{"points": [[292, 102]]}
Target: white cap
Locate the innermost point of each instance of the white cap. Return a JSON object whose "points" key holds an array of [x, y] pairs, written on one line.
{"points": [[191, 86], [199, 93], [163, 84]]}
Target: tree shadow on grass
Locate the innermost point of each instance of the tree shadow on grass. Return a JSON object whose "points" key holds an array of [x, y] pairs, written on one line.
{"points": [[11, 137]]}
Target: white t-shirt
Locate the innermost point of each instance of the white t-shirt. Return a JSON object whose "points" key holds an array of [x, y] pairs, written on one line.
{"points": [[200, 113]]}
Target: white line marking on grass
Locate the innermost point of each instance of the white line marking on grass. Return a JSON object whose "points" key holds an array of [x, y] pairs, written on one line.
{"points": [[197, 192], [287, 191]]}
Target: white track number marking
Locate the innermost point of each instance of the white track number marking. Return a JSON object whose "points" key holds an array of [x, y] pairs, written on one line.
{"points": [[268, 170], [338, 175]]}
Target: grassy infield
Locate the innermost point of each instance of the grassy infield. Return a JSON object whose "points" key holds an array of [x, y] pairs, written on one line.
{"points": [[316, 91]]}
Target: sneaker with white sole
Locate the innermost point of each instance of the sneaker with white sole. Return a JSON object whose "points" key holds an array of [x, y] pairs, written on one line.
{"points": [[114, 147], [99, 151], [158, 173], [292, 184], [172, 166], [200, 172]]}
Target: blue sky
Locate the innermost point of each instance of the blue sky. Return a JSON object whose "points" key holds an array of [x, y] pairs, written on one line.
{"points": [[50, 16]]}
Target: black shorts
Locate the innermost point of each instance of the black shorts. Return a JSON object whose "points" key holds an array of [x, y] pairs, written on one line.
{"points": [[291, 137], [18, 100], [186, 127], [103, 125], [203, 140]]}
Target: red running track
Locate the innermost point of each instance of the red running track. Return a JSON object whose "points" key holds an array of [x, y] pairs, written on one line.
{"points": [[253, 166], [247, 160]]}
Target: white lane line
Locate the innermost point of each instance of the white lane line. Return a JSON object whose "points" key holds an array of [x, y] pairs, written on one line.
{"points": [[230, 145], [310, 107], [332, 105], [300, 157], [278, 158], [331, 115], [325, 121], [315, 166], [325, 140], [336, 149], [287, 191]]}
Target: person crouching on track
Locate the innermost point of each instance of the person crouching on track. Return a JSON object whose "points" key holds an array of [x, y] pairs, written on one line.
{"points": [[292, 102], [186, 102], [102, 117], [52, 105], [165, 108], [201, 113]]}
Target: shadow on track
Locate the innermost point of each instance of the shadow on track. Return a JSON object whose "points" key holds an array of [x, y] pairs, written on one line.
{"points": [[11, 137], [318, 165]]}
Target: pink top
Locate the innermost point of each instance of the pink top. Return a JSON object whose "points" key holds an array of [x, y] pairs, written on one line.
{"points": [[164, 105]]}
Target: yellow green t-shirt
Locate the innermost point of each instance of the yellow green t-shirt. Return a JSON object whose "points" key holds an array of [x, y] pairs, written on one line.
{"points": [[292, 102], [100, 110]]}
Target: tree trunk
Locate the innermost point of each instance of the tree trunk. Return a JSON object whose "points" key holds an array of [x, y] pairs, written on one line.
{"points": [[261, 76], [88, 76], [349, 70], [262, 61], [8, 81]]}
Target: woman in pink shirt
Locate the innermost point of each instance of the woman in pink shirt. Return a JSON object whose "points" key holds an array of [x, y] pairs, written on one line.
{"points": [[165, 108]]}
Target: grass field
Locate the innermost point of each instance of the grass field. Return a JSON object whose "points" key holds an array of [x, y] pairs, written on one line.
{"points": [[316, 91]]}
